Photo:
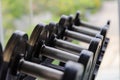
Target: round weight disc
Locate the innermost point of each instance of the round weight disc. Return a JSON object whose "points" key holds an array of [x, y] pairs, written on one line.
{"points": [[51, 27], [86, 58], [38, 35], [95, 48], [8, 52], [73, 71], [35, 34]]}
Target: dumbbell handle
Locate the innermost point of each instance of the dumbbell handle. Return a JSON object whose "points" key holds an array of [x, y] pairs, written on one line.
{"points": [[68, 45], [37, 70], [78, 36], [59, 54], [90, 26], [80, 30]]}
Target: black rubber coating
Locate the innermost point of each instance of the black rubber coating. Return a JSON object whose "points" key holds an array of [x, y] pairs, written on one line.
{"points": [[32, 41], [73, 71], [101, 46], [4, 71], [86, 58], [95, 48], [95, 72]]}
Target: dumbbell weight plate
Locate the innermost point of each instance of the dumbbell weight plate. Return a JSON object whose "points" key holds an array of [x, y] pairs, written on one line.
{"points": [[73, 72], [35, 34], [87, 61], [33, 52], [32, 41], [9, 52], [94, 47]]}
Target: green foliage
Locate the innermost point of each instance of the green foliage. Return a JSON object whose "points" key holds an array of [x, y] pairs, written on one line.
{"points": [[13, 9], [59, 7], [56, 62]]}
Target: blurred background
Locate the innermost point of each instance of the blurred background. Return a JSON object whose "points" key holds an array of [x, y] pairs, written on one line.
{"points": [[25, 14]]}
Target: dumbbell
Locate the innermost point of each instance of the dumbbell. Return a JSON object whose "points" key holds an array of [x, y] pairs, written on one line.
{"points": [[14, 63], [61, 32], [40, 35]]}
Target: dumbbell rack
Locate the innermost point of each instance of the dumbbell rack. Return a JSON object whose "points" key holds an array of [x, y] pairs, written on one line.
{"points": [[28, 58]]}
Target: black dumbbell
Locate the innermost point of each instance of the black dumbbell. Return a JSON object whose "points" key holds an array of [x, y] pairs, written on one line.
{"points": [[85, 57], [14, 63], [61, 31]]}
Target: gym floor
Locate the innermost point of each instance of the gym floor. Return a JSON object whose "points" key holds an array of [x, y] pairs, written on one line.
{"points": [[110, 68]]}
